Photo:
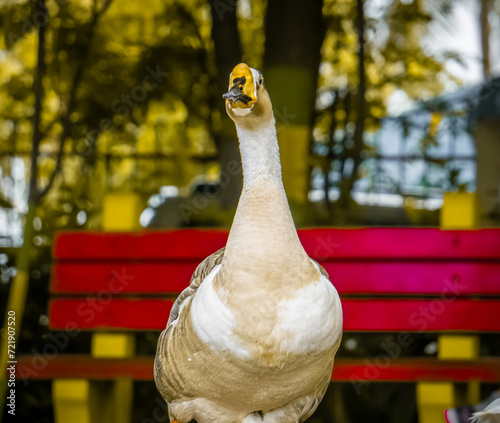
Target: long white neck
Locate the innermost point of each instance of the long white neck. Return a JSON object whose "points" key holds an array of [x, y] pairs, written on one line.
{"points": [[263, 239], [260, 156]]}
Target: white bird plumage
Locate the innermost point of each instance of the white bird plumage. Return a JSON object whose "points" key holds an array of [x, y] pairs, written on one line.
{"points": [[253, 338], [491, 414]]}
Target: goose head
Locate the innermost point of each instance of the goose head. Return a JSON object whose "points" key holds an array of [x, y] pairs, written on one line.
{"points": [[247, 101]]}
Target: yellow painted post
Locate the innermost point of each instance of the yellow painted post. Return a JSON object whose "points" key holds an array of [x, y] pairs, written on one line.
{"points": [[112, 403], [84, 401], [71, 399], [458, 347], [460, 210], [433, 398], [294, 150], [461, 347], [121, 212], [112, 345], [293, 110]]}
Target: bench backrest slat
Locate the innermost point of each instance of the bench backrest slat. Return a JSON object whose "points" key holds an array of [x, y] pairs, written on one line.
{"points": [[371, 277], [321, 244], [436, 280]]}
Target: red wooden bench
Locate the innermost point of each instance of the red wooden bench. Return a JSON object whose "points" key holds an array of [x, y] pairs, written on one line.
{"points": [[390, 279]]}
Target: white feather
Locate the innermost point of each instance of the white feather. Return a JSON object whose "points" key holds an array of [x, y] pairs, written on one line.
{"points": [[260, 154], [256, 77], [491, 414], [312, 321], [241, 111], [212, 320]]}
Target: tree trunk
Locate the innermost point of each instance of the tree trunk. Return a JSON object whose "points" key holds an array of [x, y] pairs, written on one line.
{"points": [[20, 284], [294, 34], [331, 154], [227, 55], [485, 37], [38, 91], [358, 141]]}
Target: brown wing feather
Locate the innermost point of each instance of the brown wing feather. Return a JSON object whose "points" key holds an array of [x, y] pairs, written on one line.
{"points": [[201, 272], [322, 269]]}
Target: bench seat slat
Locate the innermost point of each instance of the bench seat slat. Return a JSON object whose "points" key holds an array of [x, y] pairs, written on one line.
{"points": [[416, 370], [373, 278], [447, 314], [319, 243], [345, 370]]}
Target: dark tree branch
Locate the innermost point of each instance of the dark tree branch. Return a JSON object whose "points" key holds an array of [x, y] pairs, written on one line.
{"points": [[485, 37], [358, 141], [98, 14], [228, 54], [38, 91], [361, 95], [65, 120], [331, 155]]}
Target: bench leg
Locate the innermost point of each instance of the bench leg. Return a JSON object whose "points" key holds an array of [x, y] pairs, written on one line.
{"points": [[97, 401], [433, 398], [460, 210], [461, 347], [71, 400], [111, 400], [116, 396], [84, 401]]}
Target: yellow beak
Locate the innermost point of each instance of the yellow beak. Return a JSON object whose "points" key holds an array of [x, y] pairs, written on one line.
{"points": [[241, 92]]}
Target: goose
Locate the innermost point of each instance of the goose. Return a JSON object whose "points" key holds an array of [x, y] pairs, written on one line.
{"points": [[491, 413], [253, 337]]}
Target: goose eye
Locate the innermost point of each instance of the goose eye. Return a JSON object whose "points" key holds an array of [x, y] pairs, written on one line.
{"points": [[260, 80]]}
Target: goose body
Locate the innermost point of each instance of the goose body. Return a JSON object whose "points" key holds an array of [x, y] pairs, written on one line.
{"points": [[490, 414], [253, 338]]}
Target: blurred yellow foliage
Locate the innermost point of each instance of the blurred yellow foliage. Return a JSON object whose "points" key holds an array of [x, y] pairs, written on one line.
{"points": [[144, 115]]}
